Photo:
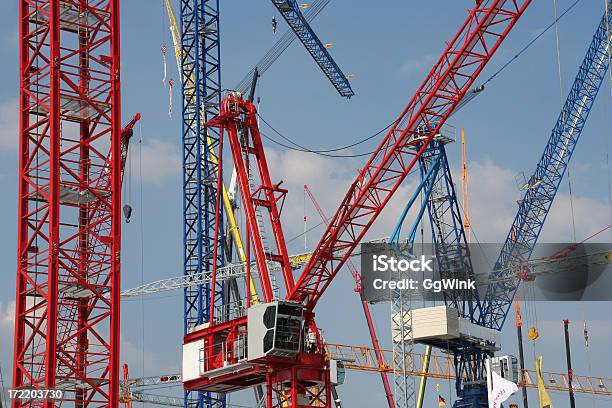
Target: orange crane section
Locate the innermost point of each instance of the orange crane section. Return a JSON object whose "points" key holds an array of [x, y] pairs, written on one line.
{"points": [[441, 366], [464, 190]]}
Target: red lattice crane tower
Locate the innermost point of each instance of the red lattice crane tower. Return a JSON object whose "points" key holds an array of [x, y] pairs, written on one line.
{"points": [[69, 238]]}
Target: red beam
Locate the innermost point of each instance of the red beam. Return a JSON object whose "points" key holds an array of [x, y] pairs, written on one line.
{"points": [[451, 77], [67, 295]]}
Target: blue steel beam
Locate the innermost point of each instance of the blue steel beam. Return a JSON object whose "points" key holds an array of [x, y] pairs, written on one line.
{"points": [[427, 182], [448, 235], [447, 228], [200, 60], [290, 11], [278, 48], [454, 262], [544, 184]]}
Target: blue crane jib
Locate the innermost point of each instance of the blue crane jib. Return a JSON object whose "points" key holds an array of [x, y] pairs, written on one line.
{"points": [[542, 187], [290, 11]]}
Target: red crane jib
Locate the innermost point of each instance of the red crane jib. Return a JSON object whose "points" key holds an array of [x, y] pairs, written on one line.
{"points": [[466, 55], [451, 77]]}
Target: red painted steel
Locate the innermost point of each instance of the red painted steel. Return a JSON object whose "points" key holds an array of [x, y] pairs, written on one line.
{"points": [[292, 380], [67, 308], [366, 308], [466, 55], [238, 117]]}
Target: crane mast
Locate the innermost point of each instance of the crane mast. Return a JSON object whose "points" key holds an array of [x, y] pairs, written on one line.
{"points": [[69, 216], [201, 90]]}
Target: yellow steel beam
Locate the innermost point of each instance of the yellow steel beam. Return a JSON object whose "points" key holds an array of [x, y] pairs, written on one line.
{"points": [[423, 382], [441, 366]]}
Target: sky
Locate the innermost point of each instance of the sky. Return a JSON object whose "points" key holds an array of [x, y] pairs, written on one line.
{"points": [[389, 49]]}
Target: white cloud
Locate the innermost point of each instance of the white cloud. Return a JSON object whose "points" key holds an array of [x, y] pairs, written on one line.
{"points": [[160, 161], [7, 314], [329, 180], [493, 205], [9, 126], [493, 198], [590, 216], [418, 64]]}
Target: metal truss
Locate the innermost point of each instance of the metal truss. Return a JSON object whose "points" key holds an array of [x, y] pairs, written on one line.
{"points": [[454, 262], [290, 11], [448, 234], [67, 303], [543, 185], [364, 358], [201, 89], [278, 48], [238, 119], [401, 300], [466, 55], [225, 273]]}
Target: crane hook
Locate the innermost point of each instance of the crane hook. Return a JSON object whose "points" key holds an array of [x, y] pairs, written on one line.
{"points": [[127, 212], [533, 333]]}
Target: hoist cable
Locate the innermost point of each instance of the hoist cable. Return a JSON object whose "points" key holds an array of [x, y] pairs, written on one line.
{"points": [[530, 43], [299, 147]]}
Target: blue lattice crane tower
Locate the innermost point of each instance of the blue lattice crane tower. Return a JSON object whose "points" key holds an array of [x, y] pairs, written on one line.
{"points": [[200, 67], [453, 260], [201, 90]]}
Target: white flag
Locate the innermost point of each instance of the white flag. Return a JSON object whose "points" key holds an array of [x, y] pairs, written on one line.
{"points": [[501, 390]]}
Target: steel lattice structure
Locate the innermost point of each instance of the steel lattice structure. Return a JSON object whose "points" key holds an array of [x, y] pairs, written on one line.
{"points": [[201, 89], [454, 262], [279, 47], [290, 11], [67, 308], [465, 56], [448, 234], [543, 185], [364, 304], [401, 300], [449, 237]]}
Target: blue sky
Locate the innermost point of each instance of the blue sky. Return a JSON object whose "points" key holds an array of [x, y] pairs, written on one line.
{"points": [[389, 49]]}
